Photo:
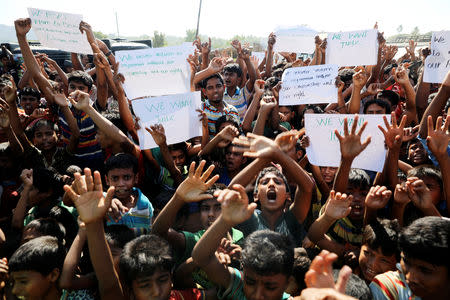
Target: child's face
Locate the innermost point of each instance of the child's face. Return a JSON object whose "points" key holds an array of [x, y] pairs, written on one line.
{"points": [[328, 173], [179, 158], [45, 138], [435, 189], [425, 279], [155, 287], [373, 262], [77, 86], [32, 284], [357, 205], [271, 192], [29, 103], [269, 287], [287, 113], [234, 159], [123, 180], [209, 212], [417, 154]]}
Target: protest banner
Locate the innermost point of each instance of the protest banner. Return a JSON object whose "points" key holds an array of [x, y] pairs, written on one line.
{"points": [[175, 112], [313, 84], [155, 71], [324, 148], [59, 30], [437, 64], [259, 55], [298, 39], [352, 48]]}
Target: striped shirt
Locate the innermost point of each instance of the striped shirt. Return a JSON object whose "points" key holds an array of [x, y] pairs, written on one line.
{"points": [[88, 152], [238, 100], [139, 217], [213, 114], [391, 286]]}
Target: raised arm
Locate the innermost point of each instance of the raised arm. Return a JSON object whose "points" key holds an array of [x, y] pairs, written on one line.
{"points": [[254, 106], [351, 146], [63, 103], [221, 140], [267, 104], [359, 81], [92, 206], [21, 209], [235, 210], [401, 77], [58, 69], [192, 189], [5, 124]]}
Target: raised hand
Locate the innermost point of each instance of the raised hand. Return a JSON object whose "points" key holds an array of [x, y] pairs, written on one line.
{"points": [[256, 145], [350, 143], [401, 195], [439, 137], [377, 197], [338, 205], [86, 28], [205, 47], [374, 88], [158, 134], [217, 64], [237, 45], [22, 26], [267, 103], [360, 78], [10, 91], [80, 100], [400, 75], [58, 97], [117, 209], [27, 177], [412, 48], [90, 202], [320, 273], [227, 135], [228, 251], [259, 87], [410, 133], [271, 40], [393, 136], [193, 188], [419, 193], [235, 206], [4, 114], [287, 140], [100, 60]]}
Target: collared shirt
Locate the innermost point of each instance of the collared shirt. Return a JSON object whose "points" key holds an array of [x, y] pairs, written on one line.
{"points": [[213, 114], [238, 100]]}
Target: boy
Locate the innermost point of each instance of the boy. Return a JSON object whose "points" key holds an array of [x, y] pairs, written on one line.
{"points": [[267, 257], [145, 263], [35, 268], [121, 173], [194, 188], [424, 267]]}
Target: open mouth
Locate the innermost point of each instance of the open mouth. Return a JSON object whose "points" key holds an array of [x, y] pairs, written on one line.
{"points": [[271, 195]]}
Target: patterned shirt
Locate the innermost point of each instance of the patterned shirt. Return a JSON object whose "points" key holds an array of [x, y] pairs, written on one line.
{"points": [[391, 286], [238, 100], [213, 114]]}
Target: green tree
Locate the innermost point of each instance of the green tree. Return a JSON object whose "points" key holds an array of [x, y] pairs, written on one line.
{"points": [[100, 35], [159, 39], [190, 35], [415, 31]]}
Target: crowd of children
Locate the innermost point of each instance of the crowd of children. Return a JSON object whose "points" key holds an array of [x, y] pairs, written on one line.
{"points": [[237, 213]]}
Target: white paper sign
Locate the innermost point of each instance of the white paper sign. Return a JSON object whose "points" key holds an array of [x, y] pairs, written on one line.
{"points": [[259, 55], [59, 30], [437, 64], [175, 112], [352, 48], [324, 149], [313, 84], [297, 39], [155, 71]]}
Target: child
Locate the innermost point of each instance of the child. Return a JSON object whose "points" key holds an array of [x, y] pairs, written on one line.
{"points": [[424, 267], [145, 263], [35, 268], [121, 173], [267, 257]]}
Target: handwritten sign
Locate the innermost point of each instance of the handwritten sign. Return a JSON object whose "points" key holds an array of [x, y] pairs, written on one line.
{"points": [[437, 64], [352, 48], [298, 39], [155, 72], [313, 84], [324, 149], [59, 30], [175, 112]]}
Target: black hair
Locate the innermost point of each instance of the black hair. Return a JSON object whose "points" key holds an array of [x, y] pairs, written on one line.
{"points": [[382, 234], [267, 252], [226, 119], [346, 74], [356, 287], [118, 235], [29, 91], [41, 123], [47, 226], [45, 180], [42, 254], [63, 216], [423, 171], [233, 68], [216, 75], [121, 161], [427, 239], [270, 170], [300, 267], [271, 82], [315, 108], [143, 256], [179, 146], [380, 102], [359, 178], [81, 77], [391, 96]]}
